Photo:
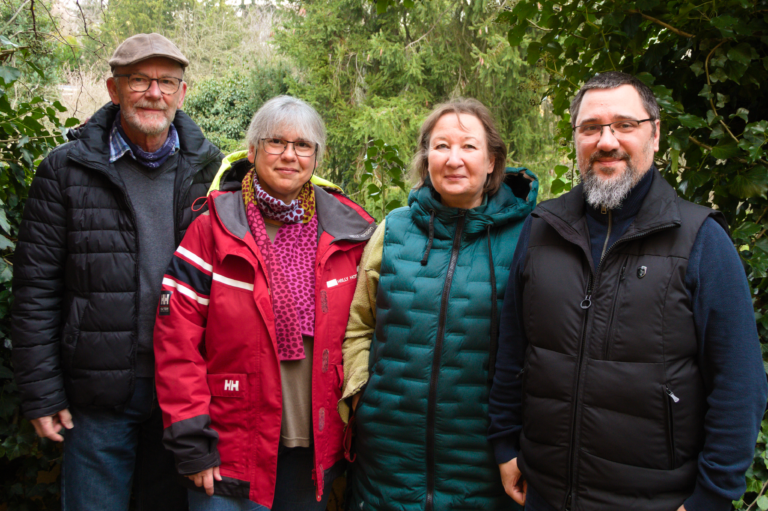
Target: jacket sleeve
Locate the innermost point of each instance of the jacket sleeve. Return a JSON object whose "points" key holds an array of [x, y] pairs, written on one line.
{"points": [[731, 363], [38, 292], [362, 321], [505, 400], [180, 368]]}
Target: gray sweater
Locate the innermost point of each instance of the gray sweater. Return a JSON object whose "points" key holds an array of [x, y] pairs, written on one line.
{"points": [[150, 192]]}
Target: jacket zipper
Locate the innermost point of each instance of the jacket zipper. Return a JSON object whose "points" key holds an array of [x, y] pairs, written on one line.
{"points": [[432, 403], [586, 303]]}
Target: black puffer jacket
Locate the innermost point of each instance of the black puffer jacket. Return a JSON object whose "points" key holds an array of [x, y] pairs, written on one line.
{"points": [[75, 284]]}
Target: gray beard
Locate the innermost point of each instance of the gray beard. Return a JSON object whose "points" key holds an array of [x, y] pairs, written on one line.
{"points": [[608, 194]]}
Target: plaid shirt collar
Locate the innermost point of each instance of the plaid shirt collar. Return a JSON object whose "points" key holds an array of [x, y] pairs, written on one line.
{"points": [[118, 146]]}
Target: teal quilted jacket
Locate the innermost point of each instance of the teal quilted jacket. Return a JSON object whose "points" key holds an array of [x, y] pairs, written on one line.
{"points": [[423, 417]]}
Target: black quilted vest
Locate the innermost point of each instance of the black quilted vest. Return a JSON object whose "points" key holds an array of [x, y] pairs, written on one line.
{"points": [[613, 399]]}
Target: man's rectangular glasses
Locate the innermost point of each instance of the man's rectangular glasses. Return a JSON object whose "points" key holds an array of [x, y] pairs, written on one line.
{"points": [[141, 83], [278, 146], [624, 127]]}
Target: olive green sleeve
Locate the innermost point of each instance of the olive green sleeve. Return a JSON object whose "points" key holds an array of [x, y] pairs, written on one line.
{"points": [[362, 321]]}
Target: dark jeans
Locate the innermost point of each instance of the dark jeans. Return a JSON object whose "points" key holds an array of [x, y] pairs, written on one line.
{"points": [[294, 489], [107, 452]]}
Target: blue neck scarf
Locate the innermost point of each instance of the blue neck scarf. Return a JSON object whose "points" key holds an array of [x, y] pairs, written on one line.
{"points": [[152, 160]]}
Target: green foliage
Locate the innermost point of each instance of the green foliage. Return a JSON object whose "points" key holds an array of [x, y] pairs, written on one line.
{"points": [[34, 38], [28, 130], [124, 18], [385, 176], [224, 106], [707, 64], [214, 36], [376, 73]]}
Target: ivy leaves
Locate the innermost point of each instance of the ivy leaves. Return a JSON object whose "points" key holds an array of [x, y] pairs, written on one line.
{"points": [[29, 128]]}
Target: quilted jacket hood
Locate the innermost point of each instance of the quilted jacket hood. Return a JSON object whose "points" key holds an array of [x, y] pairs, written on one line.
{"points": [[513, 202]]}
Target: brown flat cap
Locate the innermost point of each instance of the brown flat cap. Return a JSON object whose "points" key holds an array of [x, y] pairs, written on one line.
{"points": [[145, 46]]}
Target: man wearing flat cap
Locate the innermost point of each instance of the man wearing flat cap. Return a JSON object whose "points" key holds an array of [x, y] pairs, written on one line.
{"points": [[105, 213]]}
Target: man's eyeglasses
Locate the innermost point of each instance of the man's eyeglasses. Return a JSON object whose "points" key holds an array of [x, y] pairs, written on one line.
{"points": [[141, 83], [278, 146], [617, 128]]}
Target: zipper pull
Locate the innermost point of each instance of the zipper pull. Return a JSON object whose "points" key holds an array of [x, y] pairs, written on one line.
{"points": [[603, 210], [568, 502], [521, 373], [671, 394], [586, 303]]}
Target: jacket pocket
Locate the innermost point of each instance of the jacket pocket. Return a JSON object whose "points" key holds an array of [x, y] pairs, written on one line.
{"points": [[669, 401], [609, 330], [70, 333], [228, 408]]}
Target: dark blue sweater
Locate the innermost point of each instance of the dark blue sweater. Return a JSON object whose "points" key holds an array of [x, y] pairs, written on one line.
{"points": [[729, 356]]}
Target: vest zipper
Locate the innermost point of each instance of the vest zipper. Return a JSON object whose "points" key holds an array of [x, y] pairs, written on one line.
{"points": [[613, 312], [432, 403], [670, 399], [607, 235], [586, 303]]}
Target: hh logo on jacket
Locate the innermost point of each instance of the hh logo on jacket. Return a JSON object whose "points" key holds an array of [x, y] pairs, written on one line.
{"points": [[232, 385]]}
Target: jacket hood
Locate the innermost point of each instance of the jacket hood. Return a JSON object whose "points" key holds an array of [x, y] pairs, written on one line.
{"points": [[513, 202], [234, 167], [91, 140]]}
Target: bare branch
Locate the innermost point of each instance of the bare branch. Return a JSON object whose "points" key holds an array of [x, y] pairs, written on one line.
{"points": [[700, 144], [34, 21], [762, 490], [85, 23], [428, 31], [665, 25], [711, 101], [14, 16]]}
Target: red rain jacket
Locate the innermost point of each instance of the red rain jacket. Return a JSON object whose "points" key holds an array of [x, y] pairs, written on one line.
{"points": [[217, 371]]}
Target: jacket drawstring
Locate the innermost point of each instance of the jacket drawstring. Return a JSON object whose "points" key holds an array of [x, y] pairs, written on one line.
{"points": [[494, 315], [431, 237]]}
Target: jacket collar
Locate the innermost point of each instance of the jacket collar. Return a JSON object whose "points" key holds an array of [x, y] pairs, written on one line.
{"points": [[513, 202], [91, 145], [566, 214], [337, 219]]}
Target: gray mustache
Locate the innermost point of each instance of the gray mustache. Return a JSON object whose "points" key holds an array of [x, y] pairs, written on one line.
{"points": [[621, 155], [155, 106]]}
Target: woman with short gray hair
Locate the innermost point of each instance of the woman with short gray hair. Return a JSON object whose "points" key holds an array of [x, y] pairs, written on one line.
{"points": [[250, 325]]}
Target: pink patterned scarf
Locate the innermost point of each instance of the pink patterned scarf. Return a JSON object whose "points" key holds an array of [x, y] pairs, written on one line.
{"points": [[290, 261]]}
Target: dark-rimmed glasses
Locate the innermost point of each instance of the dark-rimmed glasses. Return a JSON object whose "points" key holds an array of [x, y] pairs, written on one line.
{"points": [[625, 127], [278, 146], [140, 83]]}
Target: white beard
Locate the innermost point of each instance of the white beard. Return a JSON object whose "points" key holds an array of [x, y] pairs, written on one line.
{"points": [[151, 126]]}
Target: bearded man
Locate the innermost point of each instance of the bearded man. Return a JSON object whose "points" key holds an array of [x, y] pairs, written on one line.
{"points": [[629, 373], [104, 216]]}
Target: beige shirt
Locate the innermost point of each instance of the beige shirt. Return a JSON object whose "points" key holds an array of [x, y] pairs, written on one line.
{"points": [[296, 382]]}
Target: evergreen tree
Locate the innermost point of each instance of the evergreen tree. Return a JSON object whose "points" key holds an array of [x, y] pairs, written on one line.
{"points": [[377, 75]]}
